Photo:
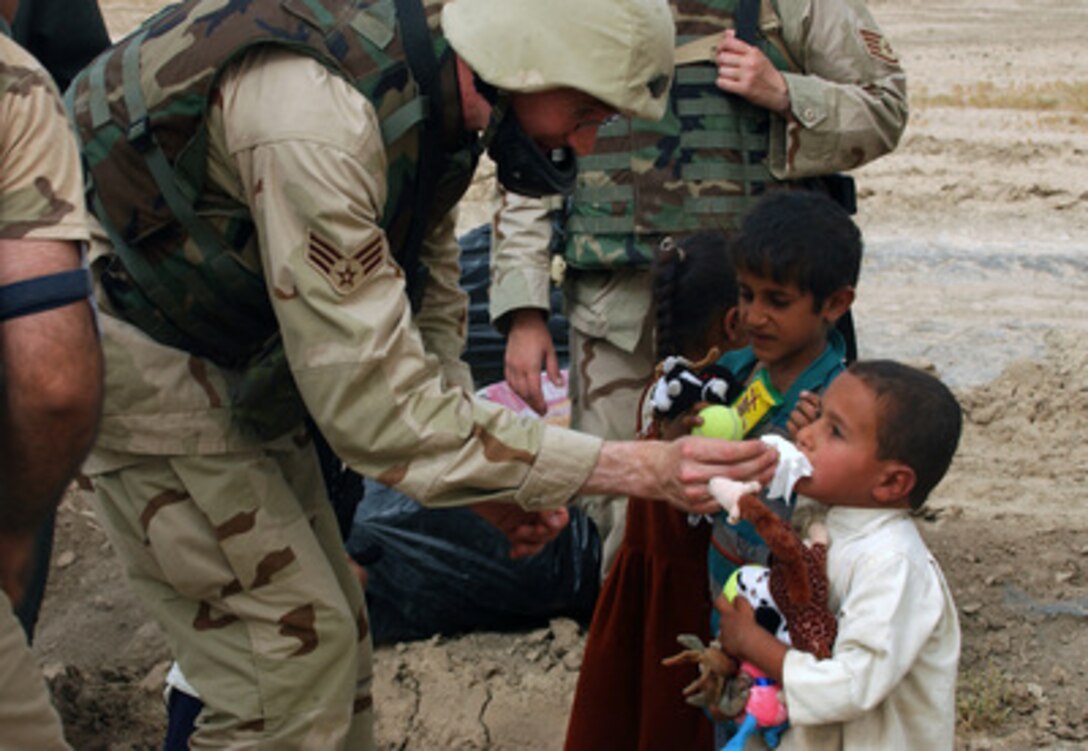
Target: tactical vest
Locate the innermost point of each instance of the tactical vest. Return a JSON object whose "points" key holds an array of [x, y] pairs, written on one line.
{"points": [[697, 169], [140, 108]]}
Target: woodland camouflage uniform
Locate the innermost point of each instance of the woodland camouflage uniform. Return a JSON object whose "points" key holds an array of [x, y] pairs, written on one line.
{"points": [[300, 152], [41, 198], [697, 169]]}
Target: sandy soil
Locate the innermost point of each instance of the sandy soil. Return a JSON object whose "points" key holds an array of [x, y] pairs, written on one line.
{"points": [[977, 266]]}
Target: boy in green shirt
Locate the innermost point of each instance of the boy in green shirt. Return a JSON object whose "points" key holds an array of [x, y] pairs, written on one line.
{"points": [[798, 256]]}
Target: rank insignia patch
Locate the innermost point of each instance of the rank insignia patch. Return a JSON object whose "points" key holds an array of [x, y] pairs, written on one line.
{"points": [[344, 272], [878, 46]]}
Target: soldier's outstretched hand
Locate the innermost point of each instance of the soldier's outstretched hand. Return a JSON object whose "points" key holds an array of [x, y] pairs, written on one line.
{"points": [[679, 471]]}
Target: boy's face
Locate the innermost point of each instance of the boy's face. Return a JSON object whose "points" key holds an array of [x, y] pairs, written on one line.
{"points": [[842, 447], [785, 330]]}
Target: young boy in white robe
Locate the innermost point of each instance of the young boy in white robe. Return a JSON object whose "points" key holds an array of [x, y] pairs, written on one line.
{"points": [[885, 436]]}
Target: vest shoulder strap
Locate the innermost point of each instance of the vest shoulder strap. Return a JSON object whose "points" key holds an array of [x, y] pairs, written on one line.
{"points": [[419, 51], [752, 16], [770, 23]]}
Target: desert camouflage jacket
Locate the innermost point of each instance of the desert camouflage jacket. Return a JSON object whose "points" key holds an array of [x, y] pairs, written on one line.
{"points": [[848, 106], [303, 152], [41, 191], [181, 273]]}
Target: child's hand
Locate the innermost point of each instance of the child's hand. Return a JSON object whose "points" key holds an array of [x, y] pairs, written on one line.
{"points": [[741, 637], [683, 425], [737, 618], [804, 414]]}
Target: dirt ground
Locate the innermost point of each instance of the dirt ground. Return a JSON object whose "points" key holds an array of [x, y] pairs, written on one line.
{"points": [[977, 266]]}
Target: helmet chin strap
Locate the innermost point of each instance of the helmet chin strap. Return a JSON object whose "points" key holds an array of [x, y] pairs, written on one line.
{"points": [[500, 110], [522, 166], [484, 89]]}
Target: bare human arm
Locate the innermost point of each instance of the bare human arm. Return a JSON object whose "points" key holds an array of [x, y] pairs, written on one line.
{"points": [[673, 471], [50, 396], [679, 471]]}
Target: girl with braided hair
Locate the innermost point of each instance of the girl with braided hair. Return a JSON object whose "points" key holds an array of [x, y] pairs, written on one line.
{"points": [[657, 587], [695, 295]]}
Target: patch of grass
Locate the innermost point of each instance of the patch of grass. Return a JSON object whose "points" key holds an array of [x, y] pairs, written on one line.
{"points": [[984, 698], [1052, 96]]}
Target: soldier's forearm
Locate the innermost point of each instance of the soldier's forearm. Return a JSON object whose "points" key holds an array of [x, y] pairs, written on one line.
{"points": [[677, 471], [619, 471], [50, 389], [35, 472], [43, 440]]}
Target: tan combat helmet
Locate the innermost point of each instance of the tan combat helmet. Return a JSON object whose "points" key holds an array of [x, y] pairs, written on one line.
{"points": [[619, 51]]}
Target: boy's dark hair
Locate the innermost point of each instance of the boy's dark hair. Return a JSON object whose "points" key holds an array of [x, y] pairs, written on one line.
{"points": [[694, 285], [919, 421], [800, 237]]}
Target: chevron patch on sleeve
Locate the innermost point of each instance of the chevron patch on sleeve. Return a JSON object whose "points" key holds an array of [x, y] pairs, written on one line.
{"points": [[344, 273], [878, 46]]}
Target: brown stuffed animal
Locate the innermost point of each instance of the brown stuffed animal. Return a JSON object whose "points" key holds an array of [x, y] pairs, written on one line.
{"points": [[798, 570], [798, 584]]}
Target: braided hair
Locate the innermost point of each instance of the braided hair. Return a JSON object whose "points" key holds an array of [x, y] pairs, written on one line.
{"points": [[694, 285]]}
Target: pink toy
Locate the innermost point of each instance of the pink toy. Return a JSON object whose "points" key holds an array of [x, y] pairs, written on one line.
{"points": [[764, 698]]}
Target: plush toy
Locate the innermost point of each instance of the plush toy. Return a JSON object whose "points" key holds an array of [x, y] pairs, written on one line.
{"points": [[764, 710], [714, 689], [798, 570], [789, 600], [753, 583], [681, 384], [741, 692]]}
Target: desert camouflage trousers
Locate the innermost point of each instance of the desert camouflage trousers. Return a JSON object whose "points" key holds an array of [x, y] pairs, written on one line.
{"points": [[239, 559], [606, 384], [27, 718]]}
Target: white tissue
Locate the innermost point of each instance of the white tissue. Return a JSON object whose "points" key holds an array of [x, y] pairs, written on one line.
{"points": [[792, 466]]}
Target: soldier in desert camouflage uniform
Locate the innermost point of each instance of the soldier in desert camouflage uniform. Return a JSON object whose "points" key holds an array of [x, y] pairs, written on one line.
{"points": [[818, 90], [255, 165], [50, 363]]}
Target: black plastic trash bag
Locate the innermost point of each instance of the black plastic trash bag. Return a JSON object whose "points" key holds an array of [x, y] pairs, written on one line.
{"points": [[447, 571]]}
